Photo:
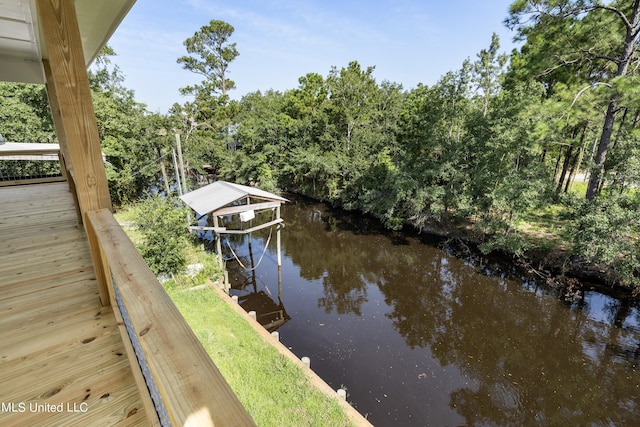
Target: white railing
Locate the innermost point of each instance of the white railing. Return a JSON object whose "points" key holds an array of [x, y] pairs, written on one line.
{"points": [[22, 163]]}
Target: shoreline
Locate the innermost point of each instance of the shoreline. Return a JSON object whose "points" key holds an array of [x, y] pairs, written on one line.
{"points": [[555, 266]]}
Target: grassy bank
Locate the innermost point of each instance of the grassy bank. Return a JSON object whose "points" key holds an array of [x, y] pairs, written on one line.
{"points": [[274, 390]]}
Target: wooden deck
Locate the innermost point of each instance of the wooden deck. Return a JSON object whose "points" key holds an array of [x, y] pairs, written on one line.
{"points": [[62, 361]]}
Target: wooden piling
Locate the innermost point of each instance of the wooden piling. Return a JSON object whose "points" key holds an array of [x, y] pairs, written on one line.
{"points": [[218, 243], [306, 361], [278, 243]]}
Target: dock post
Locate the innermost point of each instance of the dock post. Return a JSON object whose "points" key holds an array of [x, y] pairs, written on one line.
{"points": [[175, 166], [218, 243], [306, 361], [278, 237]]}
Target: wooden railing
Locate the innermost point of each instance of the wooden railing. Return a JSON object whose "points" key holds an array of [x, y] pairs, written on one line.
{"points": [[176, 377], [30, 166]]}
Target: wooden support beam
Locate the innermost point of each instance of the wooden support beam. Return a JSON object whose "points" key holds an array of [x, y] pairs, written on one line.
{"points": [[214, 229], [31, 181], [55, 113], [256, 228], [101, 266], [218, 243], [70, 97]]}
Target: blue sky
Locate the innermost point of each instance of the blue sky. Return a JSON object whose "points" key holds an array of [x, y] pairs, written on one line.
{"points": [[408, 41]]}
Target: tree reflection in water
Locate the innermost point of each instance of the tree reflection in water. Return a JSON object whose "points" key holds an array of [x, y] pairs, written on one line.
{"points": [[503, 350]]}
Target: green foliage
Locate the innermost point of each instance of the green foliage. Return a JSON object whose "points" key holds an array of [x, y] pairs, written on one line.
{"points": [[487, 71], [585, 42], [128, 133], [209, 54], [162, 223], [24, 113], [484, 148], [207, 122], [608, 231]]}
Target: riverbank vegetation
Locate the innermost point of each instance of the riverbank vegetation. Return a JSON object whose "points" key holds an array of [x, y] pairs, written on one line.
{"points": [[275, 391], [493, 152]]}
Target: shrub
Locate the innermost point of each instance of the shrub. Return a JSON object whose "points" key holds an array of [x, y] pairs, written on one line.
{"points": [[607, 232], [162, 223]]}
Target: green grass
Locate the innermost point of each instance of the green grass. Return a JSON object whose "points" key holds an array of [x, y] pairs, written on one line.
{"points": [[578, 189], [544, 228], [274, 391], [125, 216]]}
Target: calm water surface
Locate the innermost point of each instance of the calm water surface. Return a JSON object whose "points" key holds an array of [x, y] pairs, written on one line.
{"points": [[419, 337]]}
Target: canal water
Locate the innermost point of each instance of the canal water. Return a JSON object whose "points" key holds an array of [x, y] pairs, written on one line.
{"points": [[419, 337]]}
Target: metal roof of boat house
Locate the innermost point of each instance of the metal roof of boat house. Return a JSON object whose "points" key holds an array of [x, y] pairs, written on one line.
{"points": [[219, 194]]}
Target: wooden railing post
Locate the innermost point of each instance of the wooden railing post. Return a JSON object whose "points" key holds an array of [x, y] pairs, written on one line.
{"points": [[101, 265], [71, 181]]}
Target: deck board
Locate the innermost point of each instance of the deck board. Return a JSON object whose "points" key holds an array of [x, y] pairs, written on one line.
{"points": [[58, 345]]}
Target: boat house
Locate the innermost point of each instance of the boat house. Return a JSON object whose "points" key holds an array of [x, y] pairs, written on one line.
{"points": [[223, 198]]}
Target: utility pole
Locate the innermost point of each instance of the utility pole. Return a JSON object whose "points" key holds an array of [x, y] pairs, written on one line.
{"points": [[164, 173], [182, 175], [161, 133], [175, 166]]}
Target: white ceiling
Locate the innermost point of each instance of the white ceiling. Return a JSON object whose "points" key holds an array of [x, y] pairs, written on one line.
{"points": [[21, 47]]}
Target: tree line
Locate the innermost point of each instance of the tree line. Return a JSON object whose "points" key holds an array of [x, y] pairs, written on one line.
{"points": [[483, 148]]}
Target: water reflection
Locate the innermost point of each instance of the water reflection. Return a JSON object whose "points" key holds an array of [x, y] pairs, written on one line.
{"points": [[422, 338]]}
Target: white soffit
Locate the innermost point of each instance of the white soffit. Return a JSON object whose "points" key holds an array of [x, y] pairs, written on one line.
{"points": [[21, 45], [20, 58]]}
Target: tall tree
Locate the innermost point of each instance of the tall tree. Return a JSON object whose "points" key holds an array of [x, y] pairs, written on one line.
{"points": [[487, 70], [601, 39], [209, 54], [208, 120], [352, 100], [127, 132]]}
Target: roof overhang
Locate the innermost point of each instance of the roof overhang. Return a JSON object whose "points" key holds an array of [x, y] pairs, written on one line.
{"points": [[21, 45]]}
